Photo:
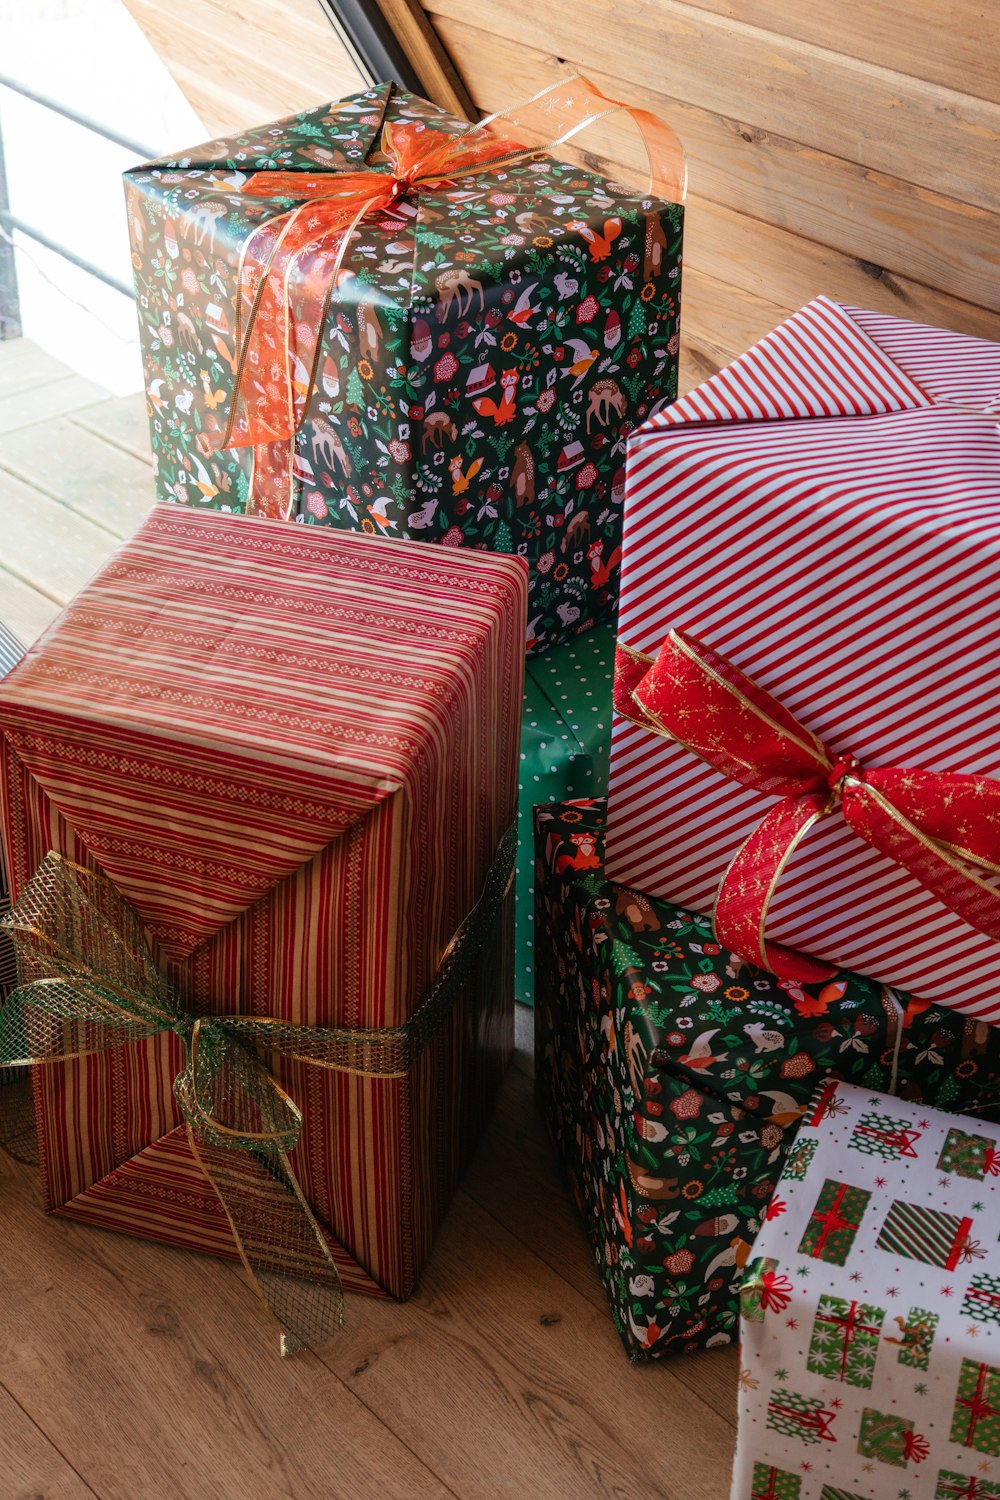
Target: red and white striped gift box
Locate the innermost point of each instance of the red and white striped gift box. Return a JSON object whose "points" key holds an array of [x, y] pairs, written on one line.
{"points": [[825, 513], [295, 752]]}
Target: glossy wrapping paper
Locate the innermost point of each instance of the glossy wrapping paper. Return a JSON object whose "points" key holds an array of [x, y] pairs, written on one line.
{"points": [[565, 742], [674, 1076], [491, 343], [870, 1340]]}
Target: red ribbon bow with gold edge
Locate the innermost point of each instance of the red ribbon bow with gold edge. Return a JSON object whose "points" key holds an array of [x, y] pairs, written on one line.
{"points": [[943, 828], [290, 266]]}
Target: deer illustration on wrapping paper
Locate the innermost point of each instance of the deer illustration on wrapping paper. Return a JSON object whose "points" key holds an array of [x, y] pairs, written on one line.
{"points": [[203, 221], [451, 285], [605, 397], [328, 447], [437, 426]]}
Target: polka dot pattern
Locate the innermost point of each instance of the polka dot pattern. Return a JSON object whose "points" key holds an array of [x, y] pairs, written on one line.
{"points": [[565, 748]]}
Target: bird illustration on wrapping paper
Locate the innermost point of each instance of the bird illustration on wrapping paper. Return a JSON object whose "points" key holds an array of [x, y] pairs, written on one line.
{"points": [[438, 371]]}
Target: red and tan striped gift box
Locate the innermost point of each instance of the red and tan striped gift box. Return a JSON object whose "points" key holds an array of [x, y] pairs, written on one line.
{"points": [[825, 513], [295, 752]]}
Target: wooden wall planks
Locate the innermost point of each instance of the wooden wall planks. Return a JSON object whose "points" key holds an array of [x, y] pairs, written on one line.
{"points": [[846, 149], [243, 62], [849, 150]]}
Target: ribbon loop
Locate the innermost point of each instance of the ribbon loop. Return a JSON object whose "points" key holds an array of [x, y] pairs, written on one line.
{"points": [[943, 829], [290, 266]]}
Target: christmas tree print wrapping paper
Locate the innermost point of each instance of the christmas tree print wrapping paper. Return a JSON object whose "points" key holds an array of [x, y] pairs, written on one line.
{"points": [[673, 1078], [480, 368], [870, 1375], [565, 746]]}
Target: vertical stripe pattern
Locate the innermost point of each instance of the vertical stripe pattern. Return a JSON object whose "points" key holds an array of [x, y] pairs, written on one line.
{"points": [[295, 752], [826, 514]]}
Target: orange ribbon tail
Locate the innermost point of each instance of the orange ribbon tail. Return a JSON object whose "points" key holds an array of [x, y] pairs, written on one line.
{"points": [[291, 266]]}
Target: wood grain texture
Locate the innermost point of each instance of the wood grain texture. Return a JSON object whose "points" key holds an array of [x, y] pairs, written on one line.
{"points": [[422, 45], [545, 1221], [122, 421], [243, 62], [154, 1371], [874, 117], [952, 42], [503, 1377], [72, 465], [31, 1467], [896, 228], [45, 544], [24, 608]]}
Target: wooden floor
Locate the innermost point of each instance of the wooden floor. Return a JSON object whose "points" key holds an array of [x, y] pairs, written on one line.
{"points": [[129, 1371], [75, 477]]}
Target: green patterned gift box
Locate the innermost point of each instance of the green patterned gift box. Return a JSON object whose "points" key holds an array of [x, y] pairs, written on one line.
{"points": [[954, 1486], [969, 1155], [844, 1341], [889, 1438], [873, 1375], [835, 1221], [764, 1289], [976, 1417], [491, 343], [772, 1483], [982, 1298], [673, 1077], [930, 1235]]}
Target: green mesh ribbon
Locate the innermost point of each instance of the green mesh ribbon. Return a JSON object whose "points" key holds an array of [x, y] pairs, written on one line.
{"points": [[88, 982]]}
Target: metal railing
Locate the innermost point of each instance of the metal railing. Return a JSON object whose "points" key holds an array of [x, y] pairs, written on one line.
{"points": [[10, 317]]}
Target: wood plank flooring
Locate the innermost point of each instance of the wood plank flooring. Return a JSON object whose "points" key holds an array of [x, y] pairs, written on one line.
{"points": [[75, 477], [129, 1371]]}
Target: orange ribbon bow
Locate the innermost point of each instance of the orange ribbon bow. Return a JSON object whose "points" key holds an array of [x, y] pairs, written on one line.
{"points": [[937, 825], [291, 265]]}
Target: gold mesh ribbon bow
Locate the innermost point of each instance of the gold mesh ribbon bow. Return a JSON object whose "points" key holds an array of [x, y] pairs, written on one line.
{"points": [[88, 982]]}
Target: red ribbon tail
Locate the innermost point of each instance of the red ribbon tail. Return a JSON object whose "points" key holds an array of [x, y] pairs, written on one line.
{"points": [[876, 819], [747, 887]]}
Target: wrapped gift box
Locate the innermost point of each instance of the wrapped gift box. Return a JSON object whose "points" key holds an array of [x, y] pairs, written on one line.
{"points": [[295, 754], [872, 1379], [564, 754], [837, 494], [490, 345], [673, 1077]]}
